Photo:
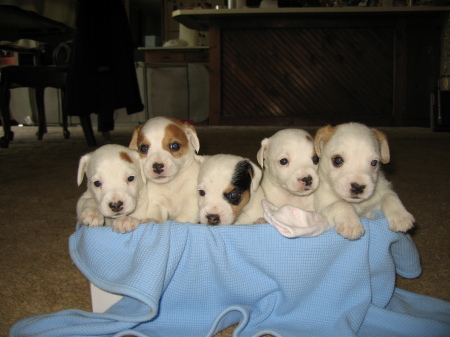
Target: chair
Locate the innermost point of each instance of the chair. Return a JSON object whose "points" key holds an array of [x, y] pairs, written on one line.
{"points": [[39, 78]]}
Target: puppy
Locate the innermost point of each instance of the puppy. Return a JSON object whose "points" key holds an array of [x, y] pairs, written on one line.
{"points": [[167, 149], [289, 164], [351, 183], [115, 194], [229, 191]]}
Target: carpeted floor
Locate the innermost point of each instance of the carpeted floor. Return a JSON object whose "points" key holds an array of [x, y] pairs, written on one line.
{"points": [[38, 194]]}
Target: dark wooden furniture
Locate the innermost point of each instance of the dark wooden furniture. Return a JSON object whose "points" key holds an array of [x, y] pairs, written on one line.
{"points": [[38, 78], [312, 66], [39, 24]]}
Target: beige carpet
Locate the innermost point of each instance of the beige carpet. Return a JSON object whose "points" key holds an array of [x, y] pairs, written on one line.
{"points": [[38, 193]]}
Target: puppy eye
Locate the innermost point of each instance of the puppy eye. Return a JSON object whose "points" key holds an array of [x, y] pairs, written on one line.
{"points": [[174, 146], [130, 178], [337, 161], [143, 148], [284, 161], [315, 160], [374, 163], [201, 192], [97, 183], [234, 195]]}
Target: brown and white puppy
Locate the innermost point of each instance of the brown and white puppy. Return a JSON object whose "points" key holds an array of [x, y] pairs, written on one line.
{"points": [[289, 164], [115, 194], [229, 191], [351, 183], [167, 149]]}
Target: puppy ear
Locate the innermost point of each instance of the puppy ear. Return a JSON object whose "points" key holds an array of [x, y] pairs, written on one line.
{"points": [[82, 167], [134, 139], [192, 136], [322, 137], [256, 177], [384, 146], [140, 165], [262, 152]]}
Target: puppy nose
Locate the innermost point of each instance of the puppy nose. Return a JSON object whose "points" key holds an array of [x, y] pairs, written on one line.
{"points": [[357, 188], [213, 219], [307, 180], [116, 206], [158, 168]]}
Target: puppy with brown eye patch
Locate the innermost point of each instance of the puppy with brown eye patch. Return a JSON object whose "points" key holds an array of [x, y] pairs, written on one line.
{"points": [[351, 182], [229, 190], [289, 164], [168, 149], [115, 194]]}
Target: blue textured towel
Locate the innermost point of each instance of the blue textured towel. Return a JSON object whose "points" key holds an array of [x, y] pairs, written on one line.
{"points": [[193, 281]]}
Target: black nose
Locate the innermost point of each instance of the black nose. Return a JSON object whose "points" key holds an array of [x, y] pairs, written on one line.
{"points": [[357, 188], [158, 168], [116, 206], [307, 180], [213, 219]]}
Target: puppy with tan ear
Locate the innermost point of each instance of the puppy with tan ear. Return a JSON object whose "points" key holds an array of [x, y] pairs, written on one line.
{"points": [[229, 191], [351, 182], [167, 149], [289, 164], [115, 194]]}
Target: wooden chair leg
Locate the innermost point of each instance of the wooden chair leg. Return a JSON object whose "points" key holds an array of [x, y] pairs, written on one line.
{"points": [[66, 132], [42, 127], [5, 97], [87, 129]]}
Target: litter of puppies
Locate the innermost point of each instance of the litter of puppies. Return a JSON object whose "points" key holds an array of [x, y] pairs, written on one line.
{"points": [[334, 175]]}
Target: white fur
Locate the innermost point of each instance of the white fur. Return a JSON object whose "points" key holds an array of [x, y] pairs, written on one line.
{"points": [[172, 193], [118, 181], [360, 148], [287, 160], [215, 177]]}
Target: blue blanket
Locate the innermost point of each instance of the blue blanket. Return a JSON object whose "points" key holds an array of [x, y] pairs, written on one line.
{"points": [[193, 281]]}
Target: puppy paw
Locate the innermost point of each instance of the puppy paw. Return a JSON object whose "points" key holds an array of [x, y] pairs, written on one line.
{"points": [[92, 217], [401, 221], [125, 224], [350, 228], [260, 221]]}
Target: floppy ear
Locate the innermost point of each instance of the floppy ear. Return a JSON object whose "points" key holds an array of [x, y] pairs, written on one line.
{"points": [[262, 152], [256, 177], [82, 167], [141, 167], [322, 137], [384, 146], [192, 136], [134, 138]]}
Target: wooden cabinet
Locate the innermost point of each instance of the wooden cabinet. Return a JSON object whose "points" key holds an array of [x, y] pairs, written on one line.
{"points": [[324, 65]]}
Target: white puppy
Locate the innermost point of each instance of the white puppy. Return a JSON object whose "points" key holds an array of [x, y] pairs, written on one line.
{"points": [[167, 148], [115, 194], [229, 191], [351, 183], [289, 164]]}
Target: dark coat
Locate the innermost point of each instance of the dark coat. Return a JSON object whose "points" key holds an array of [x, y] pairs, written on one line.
{"points": [[102, 74]]}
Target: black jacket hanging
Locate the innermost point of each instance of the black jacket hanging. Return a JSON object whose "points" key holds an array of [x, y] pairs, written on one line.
{"points": [[102, 74]]}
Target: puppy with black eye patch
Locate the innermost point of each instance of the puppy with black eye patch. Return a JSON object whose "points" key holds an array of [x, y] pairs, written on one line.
{"points": [[167, 149], [351, 182], [115, 194], [229, 190], [289, 164]]}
